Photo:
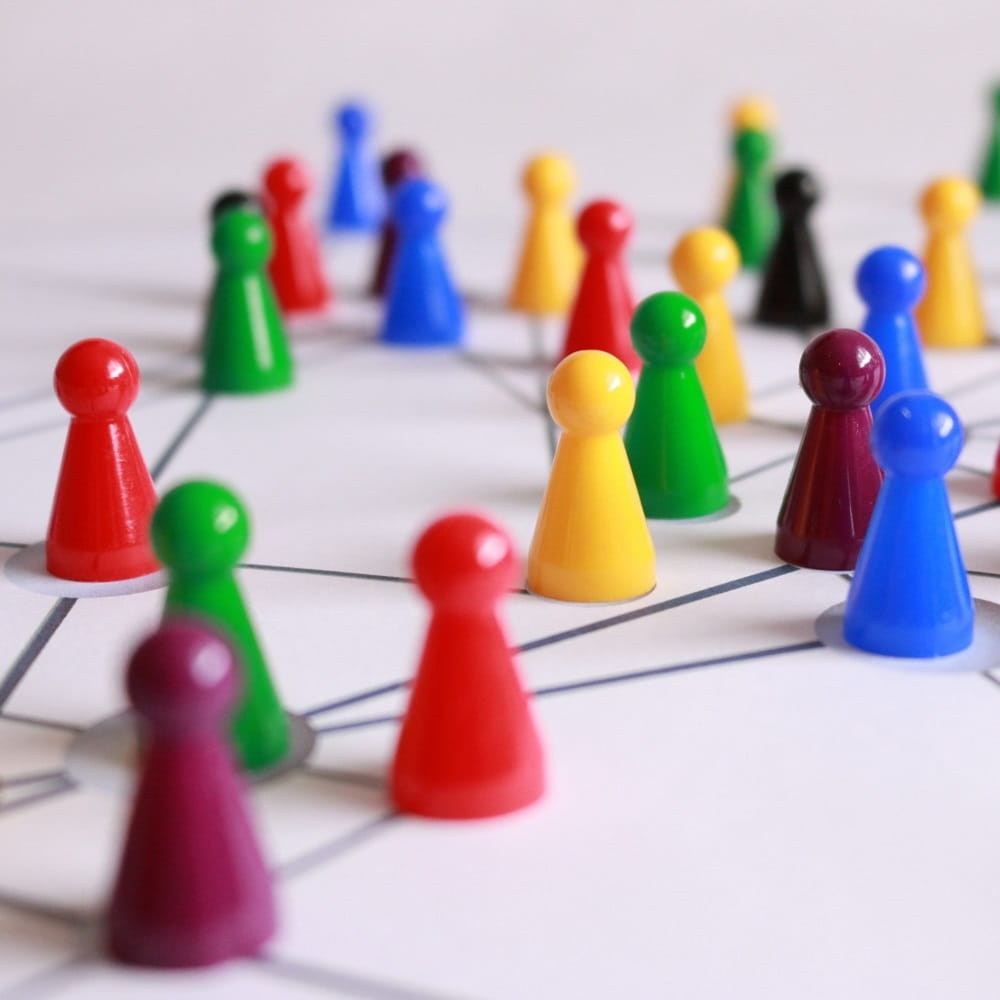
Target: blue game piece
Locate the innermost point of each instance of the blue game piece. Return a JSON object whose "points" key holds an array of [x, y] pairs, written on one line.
{"points": [[422, 307], [910, 595], [357, 201], [891, 282]]}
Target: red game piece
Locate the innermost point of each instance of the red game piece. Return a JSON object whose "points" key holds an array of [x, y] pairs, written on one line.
{"points": [[604, 301], [996, 474], [296, 266], [99, 529], [468, 747], [397, 167], [835, 480], [192, 888]]}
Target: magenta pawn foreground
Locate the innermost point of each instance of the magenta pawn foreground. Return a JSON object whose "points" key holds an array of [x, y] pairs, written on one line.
{"points": [[192, 888]]}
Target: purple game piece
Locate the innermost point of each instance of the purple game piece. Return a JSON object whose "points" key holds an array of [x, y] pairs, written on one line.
{"points": [[192, 888], [398, 166], [836, 479]]}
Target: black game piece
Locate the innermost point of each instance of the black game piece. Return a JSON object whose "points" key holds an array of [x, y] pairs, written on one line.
{"points": [[232, 198]]}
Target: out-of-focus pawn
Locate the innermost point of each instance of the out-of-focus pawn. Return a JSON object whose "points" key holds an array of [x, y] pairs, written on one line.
{"points": [[232, 198], [468, 746], [671, 441], [548, 267], [951, 313], [192, 888], [995, 481], [835, 480], [591, 542], [599, 319], [890, 281], [400, 165], [704, 261], [422, 306], [296, 266], [357, 198], [989, 174], [104, 498]]}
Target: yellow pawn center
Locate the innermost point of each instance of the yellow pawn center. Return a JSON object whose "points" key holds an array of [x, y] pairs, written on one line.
{"points": [[753, 112], [548, 178], [950, 203], [704, 261], [591, 393]]}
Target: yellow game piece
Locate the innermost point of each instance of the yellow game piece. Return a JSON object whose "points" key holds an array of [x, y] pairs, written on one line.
{"points": [[704, 261], [753, 112], [951, 312], [549, 266], [591, 541]]}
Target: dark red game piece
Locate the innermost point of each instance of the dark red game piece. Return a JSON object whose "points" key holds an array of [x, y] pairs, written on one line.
{"points": [[296, 266], [99, 529], [468, 747], [192, 888], [602, 310], [835, 480], [398, 166], [996, 474]]}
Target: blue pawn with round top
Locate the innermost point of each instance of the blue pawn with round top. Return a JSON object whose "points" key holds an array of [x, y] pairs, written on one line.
{"points": [[910, 594], [357, 198]]}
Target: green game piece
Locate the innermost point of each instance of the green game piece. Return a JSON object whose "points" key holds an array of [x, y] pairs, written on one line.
{"points": [[989, 176], [200, 530], [752, 217], [671, 442], [246, 349]]}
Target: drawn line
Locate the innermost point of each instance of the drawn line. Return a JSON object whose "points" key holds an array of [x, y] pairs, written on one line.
{"points": [[765, 467], [31, 720], [65, 785], [345, 777], [494, 375], [991, 678], [983, 572], [359, 724], [335, 847], [781, 425], [343, 574], [35, 645], [972, 469], [978, 509], [973, 383], [786, 385], [33, 778], [43, 984], [181, 436], [13, 545], [354, 699]]}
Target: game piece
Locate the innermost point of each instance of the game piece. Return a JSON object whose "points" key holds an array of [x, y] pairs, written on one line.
{"points": [[891, 280], [704, 261], [200, 531], [232, 198], [401, 165], [549, 264], [357, 199], [192, 888], [751, 217], [422, 306], [468, 747], [951, 312], [104, 498], [246, 349], [604, 301], [910, 595], [591, 542], [989, 175], [671, 441], [296, 266], [995, 480], [835, 480]]}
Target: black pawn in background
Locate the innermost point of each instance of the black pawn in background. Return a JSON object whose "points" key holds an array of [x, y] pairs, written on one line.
{"points": [[232, 198], [793, 291]]}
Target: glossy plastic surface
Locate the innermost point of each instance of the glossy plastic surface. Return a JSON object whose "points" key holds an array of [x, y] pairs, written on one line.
{"points": [[989, 172], [950, 314], [671, 441], [591, 542], [192, 888], [835, 480], [751, 217], [232, 198], [400, 165], [246, 349], [703, 262], [200, 531], [468, 746], [602, 308], [104, 497], [357, 197], [910, 594]]}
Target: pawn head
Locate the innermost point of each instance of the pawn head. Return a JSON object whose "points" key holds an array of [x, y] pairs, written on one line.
{"points": [[354, 119], [890, 278], [232, 198], [241, 239], [287, 181], [668, 328], [200, 529], [604, 226], [796, 191], [548, 177], [400, 165], [916, 435], [464, 560], [182, 677], [418, 206], [752, 149], [842, 370], [590, 392], [96, 378], [752, 112], [705, 260], [949, 202]]}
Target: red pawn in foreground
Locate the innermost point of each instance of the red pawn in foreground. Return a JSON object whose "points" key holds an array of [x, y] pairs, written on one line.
{"points": [[99, 529], [296, 266], [835, 480], [192, 888], [602, 310], [468, 746], [399, 166]]}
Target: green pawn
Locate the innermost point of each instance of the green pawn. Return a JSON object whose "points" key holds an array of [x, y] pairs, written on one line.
{"points": [[199, 532], [671, 442], [989, 177], [246, 349], [752, 217]]}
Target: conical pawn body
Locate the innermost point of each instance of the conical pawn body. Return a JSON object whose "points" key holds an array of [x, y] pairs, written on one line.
{"points": [[989, 174], [357, 196], [751, 217]]}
